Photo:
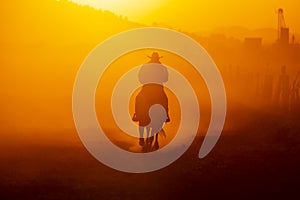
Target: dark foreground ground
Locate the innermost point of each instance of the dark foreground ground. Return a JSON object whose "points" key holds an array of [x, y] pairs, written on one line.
{"points": [[258, 160]]}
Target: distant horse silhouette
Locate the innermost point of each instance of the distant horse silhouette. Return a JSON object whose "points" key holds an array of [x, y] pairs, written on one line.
{"points": [[151, 103]]}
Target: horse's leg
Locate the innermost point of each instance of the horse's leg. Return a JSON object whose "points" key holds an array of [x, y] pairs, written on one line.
{"points": [[150, 140], [148, 131], [156, 145], [146, 146], [141, 131]]}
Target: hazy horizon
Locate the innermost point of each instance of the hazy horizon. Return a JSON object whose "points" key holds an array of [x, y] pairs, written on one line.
{"points": [[267, 31], [203, 16]]}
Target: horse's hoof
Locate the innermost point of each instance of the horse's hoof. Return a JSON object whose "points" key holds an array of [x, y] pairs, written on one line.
{"points": [[155, 147], [142, 142], [144, 149]]}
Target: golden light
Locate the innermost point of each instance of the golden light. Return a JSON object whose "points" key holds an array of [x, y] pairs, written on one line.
{"points": [[133, 9], [202, 15]]}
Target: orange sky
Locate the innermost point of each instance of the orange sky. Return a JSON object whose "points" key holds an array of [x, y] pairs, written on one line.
{"points": [[44, 43], [206, 15]]}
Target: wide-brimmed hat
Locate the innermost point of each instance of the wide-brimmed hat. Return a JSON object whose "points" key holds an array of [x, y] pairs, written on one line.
{"points": [[155, 56]]}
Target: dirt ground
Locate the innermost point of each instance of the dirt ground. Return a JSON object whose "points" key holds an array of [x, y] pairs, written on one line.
{"points": [[257, 160]]}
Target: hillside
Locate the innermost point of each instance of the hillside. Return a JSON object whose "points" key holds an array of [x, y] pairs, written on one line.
{"points": [[43, 44], [55, 22]]}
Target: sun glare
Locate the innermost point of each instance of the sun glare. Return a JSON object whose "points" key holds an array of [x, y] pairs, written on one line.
{"points": [[133, 9], [202, 15]]}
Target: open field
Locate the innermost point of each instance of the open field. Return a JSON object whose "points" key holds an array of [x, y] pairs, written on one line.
{"points": [[258, 160]]}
